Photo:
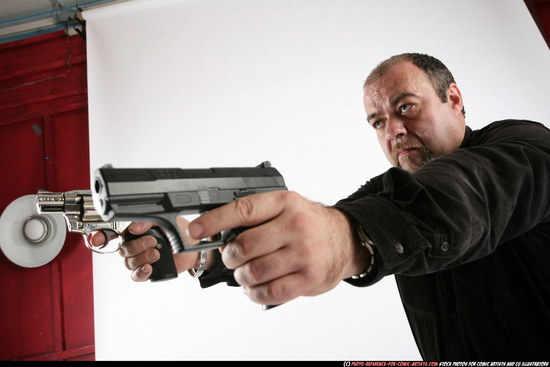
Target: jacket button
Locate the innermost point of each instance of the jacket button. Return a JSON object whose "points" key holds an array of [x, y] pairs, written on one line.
{"points": [[444, 247], [399, 248]]}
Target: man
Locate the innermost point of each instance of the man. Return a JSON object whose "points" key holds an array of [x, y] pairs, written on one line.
{"points": [[463, 222]]}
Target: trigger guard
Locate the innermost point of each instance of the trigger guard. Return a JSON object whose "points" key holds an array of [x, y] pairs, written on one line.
{"points": [[222, 239], [229, 236], [107, 233]]}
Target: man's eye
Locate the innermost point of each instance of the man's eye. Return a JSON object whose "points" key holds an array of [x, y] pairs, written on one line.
{"points": [[405, 107], [377, 124]]}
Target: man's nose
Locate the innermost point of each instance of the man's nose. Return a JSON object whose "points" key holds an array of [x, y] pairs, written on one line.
{"points": [[395, 128]]}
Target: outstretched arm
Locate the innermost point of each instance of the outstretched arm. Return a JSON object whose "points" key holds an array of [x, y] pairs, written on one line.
{"points": [[294, 246]]}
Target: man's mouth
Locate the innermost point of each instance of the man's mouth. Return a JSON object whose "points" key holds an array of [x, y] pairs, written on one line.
{"points": [[401, 150], [404, 151]]}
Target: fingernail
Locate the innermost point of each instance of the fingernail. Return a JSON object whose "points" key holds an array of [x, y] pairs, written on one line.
{"points": [[150, 242], [244, 290], [135, 227], [153, 255], [195, 230], [144, 269]]}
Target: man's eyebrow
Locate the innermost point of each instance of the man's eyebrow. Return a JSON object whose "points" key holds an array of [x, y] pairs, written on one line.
{"points": [[371, 116], [395, 100]]}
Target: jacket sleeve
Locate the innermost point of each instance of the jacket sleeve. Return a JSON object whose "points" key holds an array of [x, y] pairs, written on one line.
{"points": [[459, 207]]}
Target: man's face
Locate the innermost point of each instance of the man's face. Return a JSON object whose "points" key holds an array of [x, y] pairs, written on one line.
{"points": [[411, 123]]}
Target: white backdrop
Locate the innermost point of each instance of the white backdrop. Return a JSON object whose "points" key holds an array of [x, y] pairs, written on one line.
{"points": [[210, 83]]}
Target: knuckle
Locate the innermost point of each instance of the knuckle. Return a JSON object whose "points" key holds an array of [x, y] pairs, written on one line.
{"points": [[244, 208], [137, 246], [128, 249], [135, 262], [236, 251], [289, 197], [252, 273], [127, 264], [276, 292], [138, 275], [300, 222], [123, 250], [243, 244], [229, 257], [309, 275]]}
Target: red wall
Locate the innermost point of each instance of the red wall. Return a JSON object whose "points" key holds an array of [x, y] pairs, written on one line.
{"points": [[540, 10], [46, 313]]}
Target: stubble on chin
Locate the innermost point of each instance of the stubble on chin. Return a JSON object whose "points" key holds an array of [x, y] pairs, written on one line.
{"points": [[428, 155]]}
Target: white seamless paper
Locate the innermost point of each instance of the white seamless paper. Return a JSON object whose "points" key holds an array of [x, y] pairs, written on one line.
{"points": [[213, 83]]}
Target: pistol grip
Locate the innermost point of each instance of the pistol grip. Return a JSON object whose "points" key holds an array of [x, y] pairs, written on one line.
{"points": [[165, 267]]}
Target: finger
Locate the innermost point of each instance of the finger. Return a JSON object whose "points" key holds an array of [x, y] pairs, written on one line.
{"points": [[182, 226], [187, 261], [145, 258], [256, 242], [137, 246], [266, 268], [245, 212], [142, 274], [98, 239], [138, 228], [278, 291]]}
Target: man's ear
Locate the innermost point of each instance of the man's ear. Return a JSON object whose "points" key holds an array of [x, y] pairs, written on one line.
{"points": [[454, 98]]}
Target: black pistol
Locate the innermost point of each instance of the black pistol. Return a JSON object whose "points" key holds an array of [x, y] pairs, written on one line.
{"points": [[159, 195]]}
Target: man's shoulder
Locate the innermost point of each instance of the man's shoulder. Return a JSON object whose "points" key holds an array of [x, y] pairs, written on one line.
{"points": [[510, 130], [515, 122]]}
